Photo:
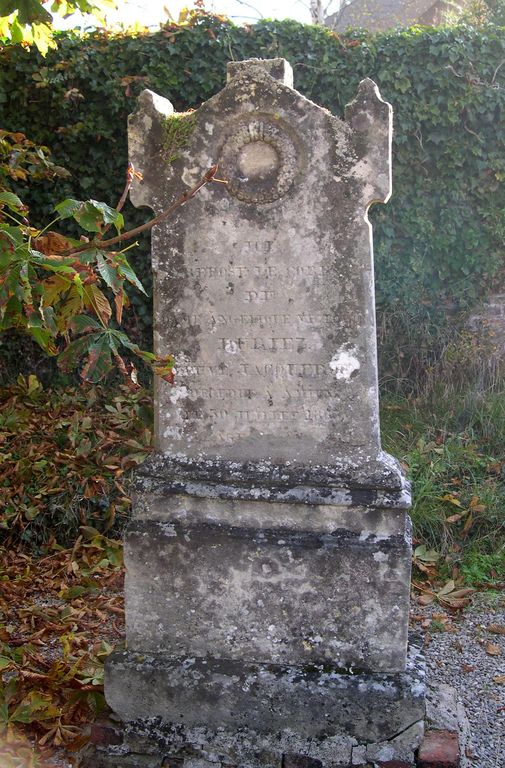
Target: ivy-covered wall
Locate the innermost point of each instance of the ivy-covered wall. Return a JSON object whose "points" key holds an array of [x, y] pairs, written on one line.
{"points": [[440, 240]]}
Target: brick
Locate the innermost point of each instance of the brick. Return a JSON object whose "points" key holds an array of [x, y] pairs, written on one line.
{"points": [[300, 761], [392, 764], [104, 734], [440, 749]]}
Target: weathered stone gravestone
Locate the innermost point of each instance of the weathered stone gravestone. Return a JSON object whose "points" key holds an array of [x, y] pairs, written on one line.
{"points": [[268, 560]]}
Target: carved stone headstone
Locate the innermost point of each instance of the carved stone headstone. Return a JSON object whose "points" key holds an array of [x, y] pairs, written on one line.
{"points": [[268, 560]]}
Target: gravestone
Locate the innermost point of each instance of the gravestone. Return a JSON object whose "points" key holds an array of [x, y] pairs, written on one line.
{"points": [[268, 559]]}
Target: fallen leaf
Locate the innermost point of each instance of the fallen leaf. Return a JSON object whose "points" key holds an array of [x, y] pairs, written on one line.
{"points": [[496, 629], [492, 649], [499, 679], [451, 499]]}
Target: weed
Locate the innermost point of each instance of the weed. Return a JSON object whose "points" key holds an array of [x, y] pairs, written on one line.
{"points": [[453, 452]]}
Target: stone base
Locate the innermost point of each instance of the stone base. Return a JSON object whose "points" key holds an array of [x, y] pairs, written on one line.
{"points": [[152, 744], [198, 713]]}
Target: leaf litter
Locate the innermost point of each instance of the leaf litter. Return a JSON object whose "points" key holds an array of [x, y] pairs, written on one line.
{"points": [[61, 615]]}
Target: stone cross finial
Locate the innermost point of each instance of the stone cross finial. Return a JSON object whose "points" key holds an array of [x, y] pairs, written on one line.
{"points": [[279, 69]]}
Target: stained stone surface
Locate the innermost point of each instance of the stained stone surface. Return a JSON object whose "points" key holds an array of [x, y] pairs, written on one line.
{"points": [[263, 287], [272, 595], [268, 559], [314, 703]]}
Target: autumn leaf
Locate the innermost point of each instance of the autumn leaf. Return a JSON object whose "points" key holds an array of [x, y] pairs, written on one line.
{"points": [[452, 499], [497, 629], [99, 361], [51, 243], [97, 301]]}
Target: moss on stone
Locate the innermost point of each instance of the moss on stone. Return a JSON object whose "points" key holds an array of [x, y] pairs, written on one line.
{"points": [[177, 131]]}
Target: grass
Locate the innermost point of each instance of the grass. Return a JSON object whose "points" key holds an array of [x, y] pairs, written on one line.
{"points": [[452, 445]]}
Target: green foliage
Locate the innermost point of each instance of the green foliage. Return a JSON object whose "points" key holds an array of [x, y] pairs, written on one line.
{"points": [[485, 569], [49, 282], [30, 21], [177, 133], [438, 242]]}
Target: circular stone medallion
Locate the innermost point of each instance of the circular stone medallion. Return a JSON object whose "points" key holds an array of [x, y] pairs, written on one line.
{"points": [[260, 158]]}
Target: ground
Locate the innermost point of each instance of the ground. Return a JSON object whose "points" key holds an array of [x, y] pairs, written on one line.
{"points": [[63, 613]]}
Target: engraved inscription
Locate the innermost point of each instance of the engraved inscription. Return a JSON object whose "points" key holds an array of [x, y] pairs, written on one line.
{"points": [[262, 366]]}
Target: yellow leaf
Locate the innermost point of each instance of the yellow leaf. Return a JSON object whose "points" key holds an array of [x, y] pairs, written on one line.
{"points": [[53, 287], [451, 499]]}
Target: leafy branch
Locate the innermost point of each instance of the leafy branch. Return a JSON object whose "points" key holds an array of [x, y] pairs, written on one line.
{"points": [[178, 203], [55, 288]]}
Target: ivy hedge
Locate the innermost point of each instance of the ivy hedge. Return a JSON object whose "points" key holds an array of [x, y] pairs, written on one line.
{"points": [[439, 241]]}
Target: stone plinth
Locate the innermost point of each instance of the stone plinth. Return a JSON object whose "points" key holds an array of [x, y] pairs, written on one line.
{"points": [[268, 560]]}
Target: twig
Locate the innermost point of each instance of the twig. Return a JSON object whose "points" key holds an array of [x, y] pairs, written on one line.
{"points": [[500, 65], [253, 8], [130, 175], [472, 132], [206, 179]]}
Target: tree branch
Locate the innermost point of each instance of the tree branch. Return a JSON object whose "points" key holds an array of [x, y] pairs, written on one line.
{"points": [[182, 200]]}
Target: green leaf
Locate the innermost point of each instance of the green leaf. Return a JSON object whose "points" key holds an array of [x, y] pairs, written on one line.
{"points": [[29, 11], [69, 358], [7, 7], [90, 215], [84, 323], [126, 271], [44, 339], [109, 215], [123, 339], [68, 207], [108, 272], [53, 265], [12, 201]]}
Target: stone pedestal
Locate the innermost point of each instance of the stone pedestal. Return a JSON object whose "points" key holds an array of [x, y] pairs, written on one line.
{"points": [[268, 559]]}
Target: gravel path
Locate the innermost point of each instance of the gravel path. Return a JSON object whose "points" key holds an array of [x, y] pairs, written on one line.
{"points": [[468, 652]]}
